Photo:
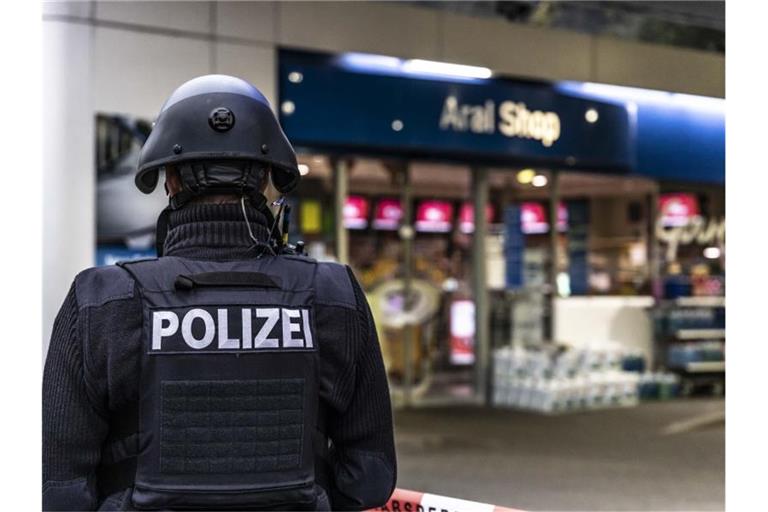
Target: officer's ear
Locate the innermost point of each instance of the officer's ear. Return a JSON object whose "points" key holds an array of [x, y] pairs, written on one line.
{"points": [[172, 181], [266, 178], [268, 188]]}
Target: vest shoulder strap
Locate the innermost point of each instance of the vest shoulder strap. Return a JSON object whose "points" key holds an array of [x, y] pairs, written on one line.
{"points": [[333, 285], [98, 285]]}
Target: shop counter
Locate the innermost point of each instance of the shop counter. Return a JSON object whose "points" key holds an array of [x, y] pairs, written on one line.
{"points": [[584, 321]]}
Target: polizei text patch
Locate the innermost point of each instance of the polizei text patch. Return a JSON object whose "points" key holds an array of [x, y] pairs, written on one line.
{"points": [[230, 328]]}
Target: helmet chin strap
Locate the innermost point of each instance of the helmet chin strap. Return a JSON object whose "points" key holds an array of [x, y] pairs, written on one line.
{"points": [[161, 231]]}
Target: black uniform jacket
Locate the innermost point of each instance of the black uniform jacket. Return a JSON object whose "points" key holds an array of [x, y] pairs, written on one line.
{"points": [[91, 380]]}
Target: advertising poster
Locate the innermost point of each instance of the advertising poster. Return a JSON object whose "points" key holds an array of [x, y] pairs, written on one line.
{"points": [[125, 217], [462, 332]]}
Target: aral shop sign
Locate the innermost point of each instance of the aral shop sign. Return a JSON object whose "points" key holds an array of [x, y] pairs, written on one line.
{"points": [[510, 119], [331, 103]]}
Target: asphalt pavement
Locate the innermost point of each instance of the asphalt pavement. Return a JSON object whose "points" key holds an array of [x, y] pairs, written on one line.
{"points": [[657, 456]]}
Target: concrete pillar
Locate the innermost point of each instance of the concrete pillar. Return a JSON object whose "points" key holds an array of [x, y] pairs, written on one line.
{"points": [[340, 188], [654, 262], [69, 179], [479, 284], [554, 251], [406, 235]]}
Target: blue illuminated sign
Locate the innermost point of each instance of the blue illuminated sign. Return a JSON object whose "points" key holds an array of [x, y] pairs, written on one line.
{"points": [[680, 137], [385, 105], [373, 104]]}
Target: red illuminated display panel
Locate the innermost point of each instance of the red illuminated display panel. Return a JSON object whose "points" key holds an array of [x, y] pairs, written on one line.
{"points": [[677, 209], [388, 214], [534, 218], [356, 209], [467, 216], [434, 217]]}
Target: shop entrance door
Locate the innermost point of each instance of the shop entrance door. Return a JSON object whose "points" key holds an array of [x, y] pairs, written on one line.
{"points": [[407, 230], [410, 233]]}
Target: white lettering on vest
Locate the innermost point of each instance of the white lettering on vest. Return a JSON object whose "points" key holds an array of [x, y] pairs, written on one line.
{"points": [[196, 328], [247, 340], [272, 315], [159, 331], [307, 330], [224, 340], [289, 328], [186, 328]]}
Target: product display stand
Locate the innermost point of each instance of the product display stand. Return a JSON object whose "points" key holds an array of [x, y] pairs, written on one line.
{"points": [[689, 337]]}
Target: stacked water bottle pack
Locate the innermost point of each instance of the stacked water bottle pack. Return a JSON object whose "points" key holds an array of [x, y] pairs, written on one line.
{"points": [[680, 355], [658, 385], [561, 379]]}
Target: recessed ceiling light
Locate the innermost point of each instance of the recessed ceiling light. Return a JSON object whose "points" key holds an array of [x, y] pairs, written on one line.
{"points": [[526, 176], [288, 107]]}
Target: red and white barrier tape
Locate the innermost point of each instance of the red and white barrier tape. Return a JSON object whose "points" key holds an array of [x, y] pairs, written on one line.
{"points": [[403, 500]]}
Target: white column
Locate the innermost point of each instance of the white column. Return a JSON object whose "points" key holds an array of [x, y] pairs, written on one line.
{"points": [[480, 283], [340, 186], [554, 251], [68, 162]]}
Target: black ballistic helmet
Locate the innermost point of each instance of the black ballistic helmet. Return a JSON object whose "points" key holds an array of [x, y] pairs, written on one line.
{"points": [[217, 129]]}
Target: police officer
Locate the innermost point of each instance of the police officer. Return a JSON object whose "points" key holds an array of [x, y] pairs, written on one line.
{"points": [[231, 372]]}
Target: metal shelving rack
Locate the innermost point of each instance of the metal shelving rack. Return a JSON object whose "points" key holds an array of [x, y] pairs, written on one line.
{"points": [[694, 373]]}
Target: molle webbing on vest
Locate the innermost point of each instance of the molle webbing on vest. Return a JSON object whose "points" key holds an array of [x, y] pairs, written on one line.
{"points": [[231, 426]]}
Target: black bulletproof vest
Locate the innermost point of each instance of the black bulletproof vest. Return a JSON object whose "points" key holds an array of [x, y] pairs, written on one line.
{"points": [[228, 397]]}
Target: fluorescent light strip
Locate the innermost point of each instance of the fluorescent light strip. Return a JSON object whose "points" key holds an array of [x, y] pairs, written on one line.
{"points": [[431, 67], [639, 95], [371, 63]]}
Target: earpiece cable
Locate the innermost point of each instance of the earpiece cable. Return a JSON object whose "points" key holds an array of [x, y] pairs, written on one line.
{"points": [[250, 231]]}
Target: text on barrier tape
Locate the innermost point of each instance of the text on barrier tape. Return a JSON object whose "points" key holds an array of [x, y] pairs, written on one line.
{"points": [[403, 500]]}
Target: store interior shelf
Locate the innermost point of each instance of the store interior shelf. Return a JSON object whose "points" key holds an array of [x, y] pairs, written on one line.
{"points": [[693, 302], [690, 341], [711, 302], [705, 367], [700, 334]]}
